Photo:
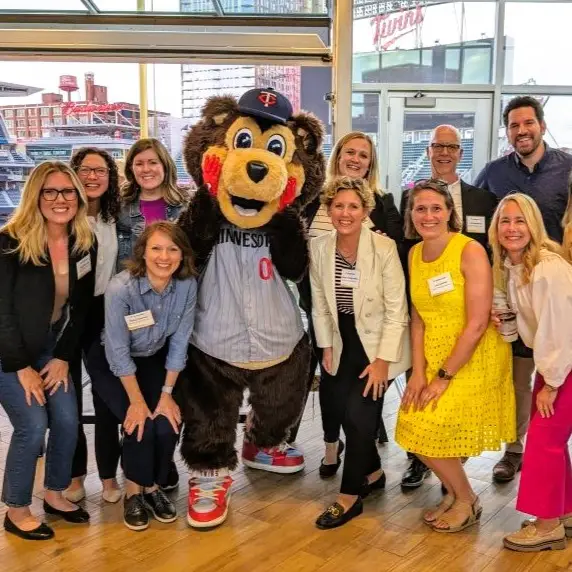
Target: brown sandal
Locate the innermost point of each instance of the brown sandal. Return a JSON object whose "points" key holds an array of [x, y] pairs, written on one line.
{"points": [[438, 511], [459, 506]]}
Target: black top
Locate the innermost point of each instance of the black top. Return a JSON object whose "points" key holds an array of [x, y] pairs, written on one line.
{"points": [[27, 294], [386, 219]]}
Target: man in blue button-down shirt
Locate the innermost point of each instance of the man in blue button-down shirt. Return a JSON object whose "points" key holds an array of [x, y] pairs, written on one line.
{"points": [[537, 170]]}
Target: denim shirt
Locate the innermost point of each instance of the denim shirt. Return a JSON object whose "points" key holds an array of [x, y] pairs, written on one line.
{"points": [[130, 226], [173, 312]]}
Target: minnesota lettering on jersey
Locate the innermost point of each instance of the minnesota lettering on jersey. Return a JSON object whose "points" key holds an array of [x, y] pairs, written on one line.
{"points": [[243, 238]]}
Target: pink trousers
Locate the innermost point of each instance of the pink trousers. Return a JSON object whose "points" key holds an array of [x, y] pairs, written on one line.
{"points": [[546, 481]]}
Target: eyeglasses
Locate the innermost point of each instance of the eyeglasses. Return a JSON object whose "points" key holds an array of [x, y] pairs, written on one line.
{"points": [[442, 146], [87, 171], [52, 195]]}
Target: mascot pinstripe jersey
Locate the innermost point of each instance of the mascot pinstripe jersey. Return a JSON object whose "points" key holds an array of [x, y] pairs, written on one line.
{"points": [[247, 313]]}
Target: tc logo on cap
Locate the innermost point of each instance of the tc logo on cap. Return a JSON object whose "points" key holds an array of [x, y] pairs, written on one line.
{"points": [[267, 98]]}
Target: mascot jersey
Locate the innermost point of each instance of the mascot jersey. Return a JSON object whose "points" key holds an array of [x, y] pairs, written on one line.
{"points": [[247, 315]]}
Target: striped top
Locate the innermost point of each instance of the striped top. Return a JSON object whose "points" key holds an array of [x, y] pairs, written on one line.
{"points": [[321, 224], [344, 296]]}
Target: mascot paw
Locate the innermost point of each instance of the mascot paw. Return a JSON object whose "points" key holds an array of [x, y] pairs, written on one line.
{"points": [[209, 498], [212, 167], [281, 459], [286, 224]]}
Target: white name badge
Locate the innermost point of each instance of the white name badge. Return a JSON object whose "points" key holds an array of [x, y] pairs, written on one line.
{"points": [[441, 284], [83, 267], [475, 224], [349, 278], [139, 320]]}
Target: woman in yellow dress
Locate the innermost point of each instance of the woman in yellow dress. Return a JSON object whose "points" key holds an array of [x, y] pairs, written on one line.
{"points": [[459, 400]]}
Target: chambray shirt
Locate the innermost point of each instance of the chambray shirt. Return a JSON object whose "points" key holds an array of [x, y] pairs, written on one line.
{"points": [[547, 184], [245, 310], [173, 311]]}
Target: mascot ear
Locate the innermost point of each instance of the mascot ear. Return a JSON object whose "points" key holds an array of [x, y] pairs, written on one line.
{"points": [[218, 108], [308, 130]]}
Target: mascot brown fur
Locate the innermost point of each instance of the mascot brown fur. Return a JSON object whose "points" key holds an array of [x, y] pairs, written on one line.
{"points": [[256, 166]]}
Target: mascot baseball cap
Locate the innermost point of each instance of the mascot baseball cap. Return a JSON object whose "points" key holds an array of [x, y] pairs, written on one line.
{"points": [[266, 104]]}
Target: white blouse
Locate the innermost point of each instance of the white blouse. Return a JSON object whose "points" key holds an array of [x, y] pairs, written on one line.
{"points": [[106, 252], [544, 314]]}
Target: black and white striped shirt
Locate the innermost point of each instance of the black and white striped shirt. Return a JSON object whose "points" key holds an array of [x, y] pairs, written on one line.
{"points": [[344, 296]]}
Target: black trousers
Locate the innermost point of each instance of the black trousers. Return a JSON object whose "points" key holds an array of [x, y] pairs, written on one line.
{"points": [[107, 445], [145, 462], [341, 399]]}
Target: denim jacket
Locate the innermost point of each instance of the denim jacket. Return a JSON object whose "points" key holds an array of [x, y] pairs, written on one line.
{"points": [[130, 226]]}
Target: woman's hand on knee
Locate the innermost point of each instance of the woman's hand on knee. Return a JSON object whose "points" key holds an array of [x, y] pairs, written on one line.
{"points": [[55, 374], [136, 417], [377, 373], [415, 386], [33, 385], [169, 409]]}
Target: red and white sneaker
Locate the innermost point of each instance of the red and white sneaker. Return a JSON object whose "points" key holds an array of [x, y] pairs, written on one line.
{"points": [[209, 498], [281, 459]]}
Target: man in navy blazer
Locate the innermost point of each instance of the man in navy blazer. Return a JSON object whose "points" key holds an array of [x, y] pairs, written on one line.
{"points": [[475, 208]]}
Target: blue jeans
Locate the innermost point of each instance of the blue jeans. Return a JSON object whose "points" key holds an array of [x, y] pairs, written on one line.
{"points": [[30, 423]]}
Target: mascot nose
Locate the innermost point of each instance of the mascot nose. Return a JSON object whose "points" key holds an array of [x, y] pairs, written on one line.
{"points": [[256, 171]]}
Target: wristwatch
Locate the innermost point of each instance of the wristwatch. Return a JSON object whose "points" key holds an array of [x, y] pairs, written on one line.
{"points": [[444, 374], [167, 389]]}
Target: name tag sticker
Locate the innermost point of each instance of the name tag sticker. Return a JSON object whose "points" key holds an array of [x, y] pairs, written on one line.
{"points": [[139, 320], [441, 284], [475, 224], [349, 278], [83, 267]]}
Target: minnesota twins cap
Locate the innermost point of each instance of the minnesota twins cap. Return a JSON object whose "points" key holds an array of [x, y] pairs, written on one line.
{"points": [[266, 104]]}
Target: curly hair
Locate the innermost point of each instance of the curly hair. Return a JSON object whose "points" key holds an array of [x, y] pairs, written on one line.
{"points": [[136, 264], [110, 200], [360, 187]]}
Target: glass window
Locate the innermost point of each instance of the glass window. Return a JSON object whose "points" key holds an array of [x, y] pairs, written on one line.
{"points": [[411, 42], [365, 113], [20, 113], [8, 113], [45, 111], [537, 37]]}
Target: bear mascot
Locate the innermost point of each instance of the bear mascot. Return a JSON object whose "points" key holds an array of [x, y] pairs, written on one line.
{"points": [[256, 165]]}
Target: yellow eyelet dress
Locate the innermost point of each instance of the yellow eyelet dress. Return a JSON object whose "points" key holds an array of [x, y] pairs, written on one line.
{"points": [[477, 411]]}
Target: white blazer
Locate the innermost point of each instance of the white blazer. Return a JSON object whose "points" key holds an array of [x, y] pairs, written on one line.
{"points": [[380, 304]]}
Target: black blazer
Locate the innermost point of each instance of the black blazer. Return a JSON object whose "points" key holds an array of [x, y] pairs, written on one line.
{"points": [[27, 294], [386, 219], [476, 202]]}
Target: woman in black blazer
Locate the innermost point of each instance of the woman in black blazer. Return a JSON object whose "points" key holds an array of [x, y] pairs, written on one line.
{"points": [[354, 156], [47, 262]]}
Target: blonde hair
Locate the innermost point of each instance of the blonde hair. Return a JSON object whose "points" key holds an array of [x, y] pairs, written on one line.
{"points": [[359, 186], [567, 226], [539, 240], [372, 176], [27, 225], [172, 194]]}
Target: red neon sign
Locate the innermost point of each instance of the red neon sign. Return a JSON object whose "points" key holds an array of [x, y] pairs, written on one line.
{"points": [[388, 28], [71, 107]]}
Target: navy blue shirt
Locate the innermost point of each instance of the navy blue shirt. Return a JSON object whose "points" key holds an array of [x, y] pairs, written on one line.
{"points": [[547, 184]]}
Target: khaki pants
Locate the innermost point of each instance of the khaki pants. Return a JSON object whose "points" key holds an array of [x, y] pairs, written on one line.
{"points": [[522, 370]]}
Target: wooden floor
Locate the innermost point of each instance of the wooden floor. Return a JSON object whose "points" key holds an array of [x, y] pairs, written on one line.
{"points": [[271, 526]]}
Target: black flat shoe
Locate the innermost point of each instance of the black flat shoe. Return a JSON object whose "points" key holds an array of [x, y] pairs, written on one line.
{"points": [[368, 488], [77, 516], [135, 515], [415, 474], [160, 506], [327, 471], [42, 532], [335, 515]]}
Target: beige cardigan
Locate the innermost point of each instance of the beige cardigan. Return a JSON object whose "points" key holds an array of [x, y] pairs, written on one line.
{"points": [[380, 304]]}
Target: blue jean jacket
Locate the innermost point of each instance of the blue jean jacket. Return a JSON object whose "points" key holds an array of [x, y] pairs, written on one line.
{"points": [[130, 226]]}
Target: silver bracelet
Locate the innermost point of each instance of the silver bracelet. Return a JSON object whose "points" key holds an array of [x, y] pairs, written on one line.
{"points": [[167, 389]]}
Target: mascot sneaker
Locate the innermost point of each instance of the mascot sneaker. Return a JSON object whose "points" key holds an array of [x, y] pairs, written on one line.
{"points": [[281, 459], [209, 497]]}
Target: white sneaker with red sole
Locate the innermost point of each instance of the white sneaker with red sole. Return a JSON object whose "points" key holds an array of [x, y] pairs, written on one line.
{"points": [[209, 498], [281, 459]]}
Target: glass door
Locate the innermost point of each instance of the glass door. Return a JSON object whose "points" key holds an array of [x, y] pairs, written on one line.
{"points": [[412, 116]]}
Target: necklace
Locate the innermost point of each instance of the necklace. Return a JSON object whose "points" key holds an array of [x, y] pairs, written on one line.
{"points": [[348, 256]]}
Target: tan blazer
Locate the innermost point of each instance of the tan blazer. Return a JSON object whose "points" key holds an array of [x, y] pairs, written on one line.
{"points": [[380, 305]]}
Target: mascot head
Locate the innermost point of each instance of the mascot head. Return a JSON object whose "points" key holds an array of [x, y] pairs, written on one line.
{"points": [[256, 157]]}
